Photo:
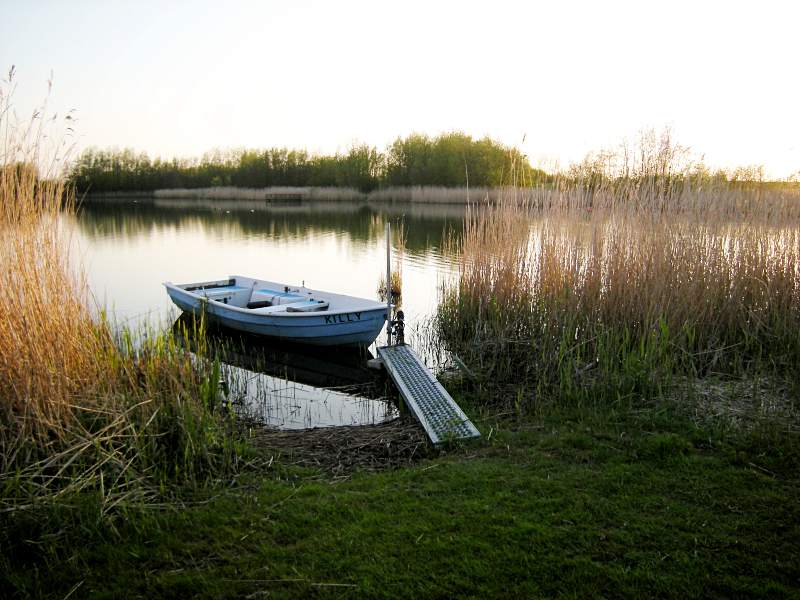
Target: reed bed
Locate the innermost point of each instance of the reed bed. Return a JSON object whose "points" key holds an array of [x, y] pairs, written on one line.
{"points": [[434, 194], [85, 411], [603, 292]]}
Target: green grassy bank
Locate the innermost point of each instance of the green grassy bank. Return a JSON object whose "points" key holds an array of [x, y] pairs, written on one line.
{"points": [[575, 504]]}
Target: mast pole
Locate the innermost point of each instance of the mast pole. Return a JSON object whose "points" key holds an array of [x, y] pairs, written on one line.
{"points": [[388, 283]]}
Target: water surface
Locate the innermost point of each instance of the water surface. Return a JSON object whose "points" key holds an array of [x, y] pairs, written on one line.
{"points": [[130, 247]]}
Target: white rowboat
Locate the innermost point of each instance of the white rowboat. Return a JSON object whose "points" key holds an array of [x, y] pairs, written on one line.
{"points": [[296, 314]]}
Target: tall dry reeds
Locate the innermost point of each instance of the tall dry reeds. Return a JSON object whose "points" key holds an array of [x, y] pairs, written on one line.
{"points": [[82, 407], [606, 291], [48, 342], [395, 288]]}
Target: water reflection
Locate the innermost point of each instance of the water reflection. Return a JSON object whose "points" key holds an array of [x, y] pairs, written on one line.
{"points": [[357, 222], [130, 248], [292, 386]]}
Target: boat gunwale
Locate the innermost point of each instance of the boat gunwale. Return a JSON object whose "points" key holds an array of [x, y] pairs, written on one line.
{"points": [[375, 305]]}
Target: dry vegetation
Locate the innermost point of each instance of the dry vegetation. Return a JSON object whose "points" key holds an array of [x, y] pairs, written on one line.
{"points": [[398, 253], [435, 194], [82, 410], [341, 451], [605, 285]]}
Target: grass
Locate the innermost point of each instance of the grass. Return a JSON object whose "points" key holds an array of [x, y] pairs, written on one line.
{"points": [[577, 504]]}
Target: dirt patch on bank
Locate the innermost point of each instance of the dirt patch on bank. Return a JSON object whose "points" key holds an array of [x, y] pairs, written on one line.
{"points": [[340, 451]]}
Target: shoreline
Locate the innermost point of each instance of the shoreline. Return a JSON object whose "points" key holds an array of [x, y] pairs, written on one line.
{"points": [[283, 194]]}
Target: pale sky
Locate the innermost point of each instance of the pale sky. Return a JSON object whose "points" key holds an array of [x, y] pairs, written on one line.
{"points": [[181, 78]]}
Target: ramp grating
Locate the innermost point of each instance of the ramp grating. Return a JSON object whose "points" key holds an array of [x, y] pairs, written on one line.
{"points": [[433, 407]]}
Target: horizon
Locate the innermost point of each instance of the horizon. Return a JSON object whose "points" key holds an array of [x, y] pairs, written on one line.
{"points": [[685, 164], [557, 82]]}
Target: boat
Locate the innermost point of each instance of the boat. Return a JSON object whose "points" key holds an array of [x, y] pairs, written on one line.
{"points": [[276, 310]]}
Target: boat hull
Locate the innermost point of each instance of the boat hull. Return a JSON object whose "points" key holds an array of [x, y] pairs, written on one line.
{"points": [[339, 328]]}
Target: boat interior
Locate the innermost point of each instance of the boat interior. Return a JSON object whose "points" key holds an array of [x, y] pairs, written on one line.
{"points": [[261, 297]]}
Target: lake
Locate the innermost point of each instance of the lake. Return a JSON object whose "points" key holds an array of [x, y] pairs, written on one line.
{"points": [[129, 247]]}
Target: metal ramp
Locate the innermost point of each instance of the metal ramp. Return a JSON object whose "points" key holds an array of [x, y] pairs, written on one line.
{"points": [[433, 407]]}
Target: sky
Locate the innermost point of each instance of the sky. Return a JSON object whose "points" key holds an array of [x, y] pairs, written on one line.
{"points": [[557, 79]]}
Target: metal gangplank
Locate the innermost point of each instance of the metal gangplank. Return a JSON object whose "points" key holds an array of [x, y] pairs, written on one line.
{"points": [[430, 403]]}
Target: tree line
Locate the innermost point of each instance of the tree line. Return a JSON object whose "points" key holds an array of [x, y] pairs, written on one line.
{"points": [[451, 159]]}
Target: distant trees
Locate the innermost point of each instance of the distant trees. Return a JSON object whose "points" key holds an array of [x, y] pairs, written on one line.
{"points": [[455, 159], [451, 159]]}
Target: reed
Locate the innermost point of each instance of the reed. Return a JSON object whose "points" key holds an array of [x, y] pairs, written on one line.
{"points": [[84, 408], [605, 292], [398, 253], [433, 194]]}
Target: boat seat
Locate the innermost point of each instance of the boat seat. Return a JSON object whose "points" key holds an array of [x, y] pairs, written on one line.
{"points": [[258, 304], [219, 291], [304, 306], [266, 310], [309, 305], [276, 298]]}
